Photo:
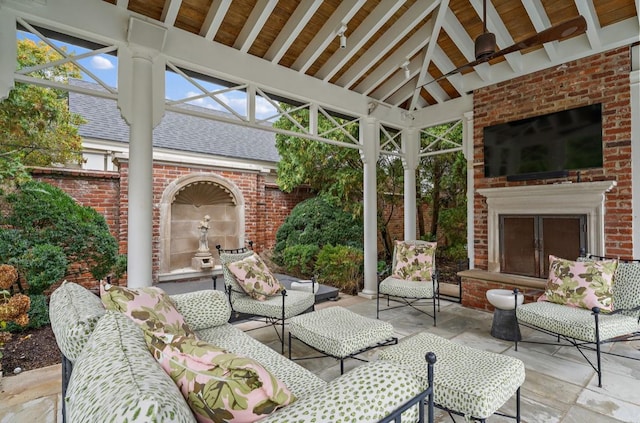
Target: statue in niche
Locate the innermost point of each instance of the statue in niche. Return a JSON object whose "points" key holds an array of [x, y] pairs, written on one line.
{"points": [[204, 230]]}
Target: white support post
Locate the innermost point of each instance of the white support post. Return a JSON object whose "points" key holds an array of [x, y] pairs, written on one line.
{"points": [[635, 147], [8, 51], [370, 141], [410, 152], [467, 148], [141, 102]]}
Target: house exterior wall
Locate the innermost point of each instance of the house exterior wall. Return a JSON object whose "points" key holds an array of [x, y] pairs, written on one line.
{"points": [[601, 78]]}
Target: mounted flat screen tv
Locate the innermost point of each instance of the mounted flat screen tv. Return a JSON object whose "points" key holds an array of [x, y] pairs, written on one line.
{"points": [[545, 146]]}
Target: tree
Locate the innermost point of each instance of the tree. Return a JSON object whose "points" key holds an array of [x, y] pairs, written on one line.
{"points": [[36, 126]]}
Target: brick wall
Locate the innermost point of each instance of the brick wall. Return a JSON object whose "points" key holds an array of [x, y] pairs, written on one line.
{"points": [[601, 78], [266, 206]]}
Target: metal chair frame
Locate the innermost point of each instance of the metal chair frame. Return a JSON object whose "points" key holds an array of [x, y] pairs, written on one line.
{"points": [[268, 320], [581, 345]]}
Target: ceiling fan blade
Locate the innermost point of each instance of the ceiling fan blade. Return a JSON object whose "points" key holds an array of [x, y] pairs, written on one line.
{"points": [[571, 27], [568, 28]]}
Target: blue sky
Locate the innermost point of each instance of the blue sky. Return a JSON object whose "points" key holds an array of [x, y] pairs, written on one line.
{"points": [[105, 66]]}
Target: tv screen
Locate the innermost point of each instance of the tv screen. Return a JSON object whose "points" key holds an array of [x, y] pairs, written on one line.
{"points": [[566, 140]]}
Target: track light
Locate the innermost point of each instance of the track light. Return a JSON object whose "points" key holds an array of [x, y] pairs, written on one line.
{"points": [[343, 38], [405, 67]]}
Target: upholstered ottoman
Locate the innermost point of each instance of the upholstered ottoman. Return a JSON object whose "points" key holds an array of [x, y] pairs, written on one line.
{"points": [[340, 333], [467, 381]]}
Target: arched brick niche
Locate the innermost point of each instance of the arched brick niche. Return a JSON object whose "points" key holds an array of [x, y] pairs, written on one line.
{"points": [[184, 204]]}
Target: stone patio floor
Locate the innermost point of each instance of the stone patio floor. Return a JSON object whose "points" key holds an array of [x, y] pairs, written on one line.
{"points": [[559, 387]]}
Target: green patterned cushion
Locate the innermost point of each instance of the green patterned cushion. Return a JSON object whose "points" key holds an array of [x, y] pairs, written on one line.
{"points": [[295, 302], [116, 379], [470, 381], [203, 309], [150, 307], [584, 284], [255, 278], [365, 394], [74, 312], [626, 288], [219, 385], [574, 322], [409, 289], [414, 260], [338, 331]]}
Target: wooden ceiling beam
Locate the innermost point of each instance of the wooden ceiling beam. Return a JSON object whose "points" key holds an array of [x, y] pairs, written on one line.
{"points": [[344, 13], [170, 11], [254, 24], [540, 21], [433, 42], [295, 24], [359, 37], [214, 18], [409, 20]]}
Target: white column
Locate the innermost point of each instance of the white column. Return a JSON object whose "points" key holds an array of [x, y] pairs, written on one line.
{"points": [[370, 141], [141, 100], [467, 149], [8, 51], [410, 151], [635, 147]]}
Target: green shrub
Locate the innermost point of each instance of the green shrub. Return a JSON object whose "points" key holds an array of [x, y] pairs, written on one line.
{"points": [[341, 266], [319, 222], [42, 220], [299, 260], [41, 265]]}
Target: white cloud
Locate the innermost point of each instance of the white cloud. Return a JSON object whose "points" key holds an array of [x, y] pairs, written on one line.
{"points": [[101, 62], [236, 102]]}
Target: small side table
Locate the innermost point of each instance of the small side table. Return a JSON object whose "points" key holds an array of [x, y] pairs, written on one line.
{"points": [[505, 325]]}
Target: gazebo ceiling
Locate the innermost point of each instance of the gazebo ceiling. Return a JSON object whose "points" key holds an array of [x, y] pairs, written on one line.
{"points": [[394, 47]]}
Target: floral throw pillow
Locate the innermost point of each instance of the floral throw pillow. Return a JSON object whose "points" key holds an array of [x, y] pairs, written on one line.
{"points": [[255, 278], [414, 261], [219, 386], [150, 307], [584, 284]]}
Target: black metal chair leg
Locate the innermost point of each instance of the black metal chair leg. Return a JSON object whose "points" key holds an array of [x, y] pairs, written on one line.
{"points": [[518, 405]]}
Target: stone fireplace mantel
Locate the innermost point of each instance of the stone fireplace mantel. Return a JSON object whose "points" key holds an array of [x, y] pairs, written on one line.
{"points": [[586, 198]]}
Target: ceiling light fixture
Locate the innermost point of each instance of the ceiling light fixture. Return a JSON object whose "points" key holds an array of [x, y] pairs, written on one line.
{"points": [[405, 67], [343, 38]]}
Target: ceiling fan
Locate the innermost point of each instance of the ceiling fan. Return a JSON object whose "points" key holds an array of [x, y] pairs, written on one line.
{"points": [[486, 48]]}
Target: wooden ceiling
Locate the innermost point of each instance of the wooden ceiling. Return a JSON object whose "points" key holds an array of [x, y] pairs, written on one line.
{"points": [[431, 36]]}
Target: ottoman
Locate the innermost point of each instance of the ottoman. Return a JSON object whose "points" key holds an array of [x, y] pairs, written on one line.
{"points": [[467, 381], [340, 333]]}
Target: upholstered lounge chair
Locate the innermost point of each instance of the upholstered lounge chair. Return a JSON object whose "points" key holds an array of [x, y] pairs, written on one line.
{"points": [[275, 310], [413, 281], [589, 329]]}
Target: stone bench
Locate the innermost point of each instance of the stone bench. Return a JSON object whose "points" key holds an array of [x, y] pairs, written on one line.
{"points": [[468, 381]]}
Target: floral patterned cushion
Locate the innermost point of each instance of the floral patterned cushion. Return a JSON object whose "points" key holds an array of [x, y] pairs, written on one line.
{"points": [[218, 385], [414, 260], [150, 307], [255, 278], [584, 284]]}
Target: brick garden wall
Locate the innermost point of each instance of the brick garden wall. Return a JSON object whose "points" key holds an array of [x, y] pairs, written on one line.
{"points": [[602, 78], [266, 206]]}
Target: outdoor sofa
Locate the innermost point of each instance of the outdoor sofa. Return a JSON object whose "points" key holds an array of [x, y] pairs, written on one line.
{"points": [[112, 376]]}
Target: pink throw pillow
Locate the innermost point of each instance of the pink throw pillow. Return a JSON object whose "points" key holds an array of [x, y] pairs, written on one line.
{"points": [[150, 307], [414, 262], [584, 284], [219, 385], [255, 278]]}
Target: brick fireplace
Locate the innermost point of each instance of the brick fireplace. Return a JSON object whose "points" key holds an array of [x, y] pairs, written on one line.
{"points": [[602, 195]]}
